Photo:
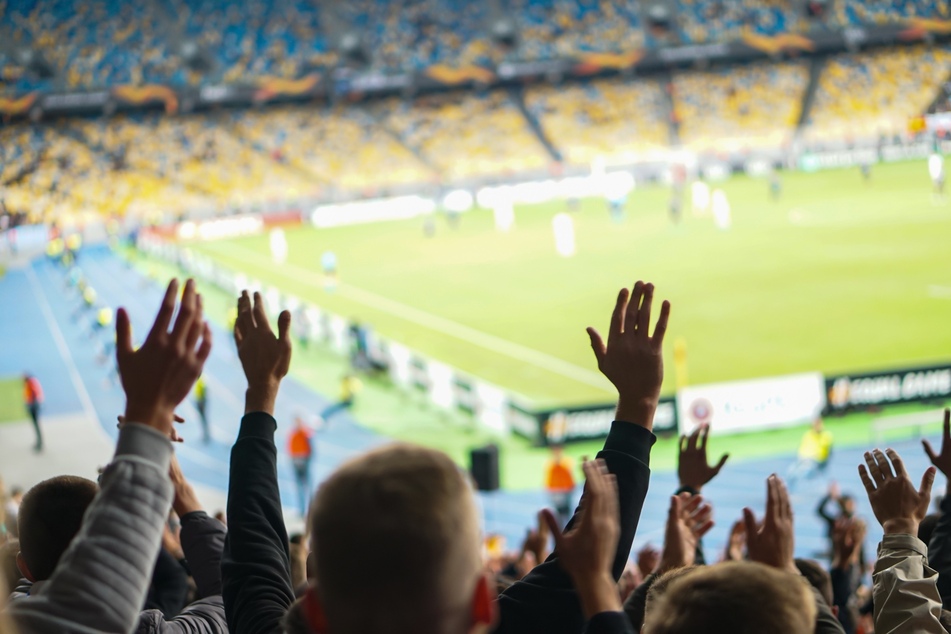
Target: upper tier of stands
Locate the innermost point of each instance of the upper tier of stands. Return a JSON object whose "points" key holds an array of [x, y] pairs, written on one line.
{"points": [[99, 43]]}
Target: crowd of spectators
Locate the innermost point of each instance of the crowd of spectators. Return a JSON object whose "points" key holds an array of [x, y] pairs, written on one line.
{"points": [[74, 44], [619, 121], [393, 541], [739, 108], [875, 94]]}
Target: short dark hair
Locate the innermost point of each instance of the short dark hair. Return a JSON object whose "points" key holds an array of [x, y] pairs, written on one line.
{"points": [[816, 575], [50, 516]]}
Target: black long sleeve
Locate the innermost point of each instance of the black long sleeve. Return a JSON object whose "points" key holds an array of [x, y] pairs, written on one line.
{"points": [[824, 514], [609, 623], [545, 601], [255, 566], [169, 590], [203, 540], [842, 589], [635, 607], [939, 552]]}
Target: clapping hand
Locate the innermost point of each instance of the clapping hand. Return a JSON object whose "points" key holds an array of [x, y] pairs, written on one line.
{"points": [[160, 374], [632, 359], [898, 506], [688, 521], [770, 541], [266, 358]]}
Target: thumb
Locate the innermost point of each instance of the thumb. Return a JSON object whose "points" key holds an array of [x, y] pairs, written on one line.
{"points": [[284, 325], [723, 459], [929, 450], [597, 344], [749, 520], [926, 481], [123, 333]]}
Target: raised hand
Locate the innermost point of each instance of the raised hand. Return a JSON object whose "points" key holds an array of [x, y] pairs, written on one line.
{"points": [[587, 551], [942, 460], [898, 506], [736, 542], [692, 466], [160, 374], [265, 358], [632, 359], [688, 521], [536, 540], [847, 536], [771, 541]]}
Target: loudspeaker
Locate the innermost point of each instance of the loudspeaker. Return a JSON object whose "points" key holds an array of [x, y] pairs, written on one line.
{"points": [[484, 467]]}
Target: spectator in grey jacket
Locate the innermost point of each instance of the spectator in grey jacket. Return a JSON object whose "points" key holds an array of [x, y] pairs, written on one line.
{"points": [[99, 584]]}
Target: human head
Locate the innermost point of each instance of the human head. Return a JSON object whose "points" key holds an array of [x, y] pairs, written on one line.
{"points": [[408, 514], [557, 451], [50, 516], [817, 576], [818, 424], [661, 584], [735, 597]]}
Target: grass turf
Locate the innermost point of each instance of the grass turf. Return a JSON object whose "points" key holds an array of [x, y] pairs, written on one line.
{"points": [[838, 275], [11, 400]]}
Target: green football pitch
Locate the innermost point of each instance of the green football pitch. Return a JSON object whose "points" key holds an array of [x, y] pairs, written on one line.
{"points": [[837, 275]]}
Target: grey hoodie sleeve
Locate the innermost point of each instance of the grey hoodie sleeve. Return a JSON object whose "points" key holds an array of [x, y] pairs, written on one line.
{"points": [[101, 581], [203, 540], [206, 616]]}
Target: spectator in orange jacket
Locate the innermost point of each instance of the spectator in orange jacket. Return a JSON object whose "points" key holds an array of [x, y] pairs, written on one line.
{"points": [[33, 398], [560, 483]]}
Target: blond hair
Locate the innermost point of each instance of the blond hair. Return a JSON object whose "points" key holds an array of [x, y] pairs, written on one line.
{"points": [[395, 541], [734, 597]]}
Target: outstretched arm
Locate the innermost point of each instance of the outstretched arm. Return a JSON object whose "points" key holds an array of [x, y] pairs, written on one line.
{"points": [[256, 572], [101, 581], [546, 600]]}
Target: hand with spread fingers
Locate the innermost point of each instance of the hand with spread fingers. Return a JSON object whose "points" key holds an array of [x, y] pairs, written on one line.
{"points": [[692, 466], [586, 552], [897, 505], [942, 460], [771, 541], [688, 521], [632, 359], [160, 374], [266, 358]]}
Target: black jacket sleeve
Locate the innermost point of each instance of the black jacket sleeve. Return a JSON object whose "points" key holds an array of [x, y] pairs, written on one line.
{"points": [[842, 589], [939, 552], [545, 600], [255, 566], [609, 623], [203, 539], [169, 590], [824, 514]]}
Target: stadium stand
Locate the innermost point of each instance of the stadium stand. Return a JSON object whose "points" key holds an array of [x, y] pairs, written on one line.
{"points": [[700, 22], [739, 108], [620, 121], [870, 95], [858, 12]]}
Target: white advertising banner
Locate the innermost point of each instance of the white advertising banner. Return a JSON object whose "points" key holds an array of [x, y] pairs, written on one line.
{"points": [[753, 405]]}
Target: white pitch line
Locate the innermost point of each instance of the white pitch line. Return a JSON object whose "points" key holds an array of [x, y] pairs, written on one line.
{"points": [[434, 322], [64, 352]]}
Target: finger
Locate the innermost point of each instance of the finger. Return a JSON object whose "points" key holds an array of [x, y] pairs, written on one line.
{"points": [[692, 441], [723, 459], [245, 314], [785, 507], [926, 481], [772, 499], [597, 344], [238, 335], [260, 313], [123, 333], [194, 333], [866, 480], [178, 419], [897, 463], [683, 443], [661, 328], [691, 502], [703, 529], [633, 307], [553, 527], [644, 314], [164, 316], [883, 464], [932, 456], [676, 507], [704, 434], [947, 425], [873, 468], [611, 504], [186, 315], [284, 326], [617, 317], [749, 523], [201, 355]]}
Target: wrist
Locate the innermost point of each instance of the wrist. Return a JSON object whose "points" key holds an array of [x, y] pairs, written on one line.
{"points": [[261, 398], [598, 594], [185, 503], [151, 416], [637, 410], [901, 526]]}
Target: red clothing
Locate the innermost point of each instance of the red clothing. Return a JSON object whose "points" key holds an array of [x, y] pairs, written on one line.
{"points": [[559, 476], [298, 445], [32, 391]]}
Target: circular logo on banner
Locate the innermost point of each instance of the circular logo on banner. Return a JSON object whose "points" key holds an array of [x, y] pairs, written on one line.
{"points": [[701, 411]]}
